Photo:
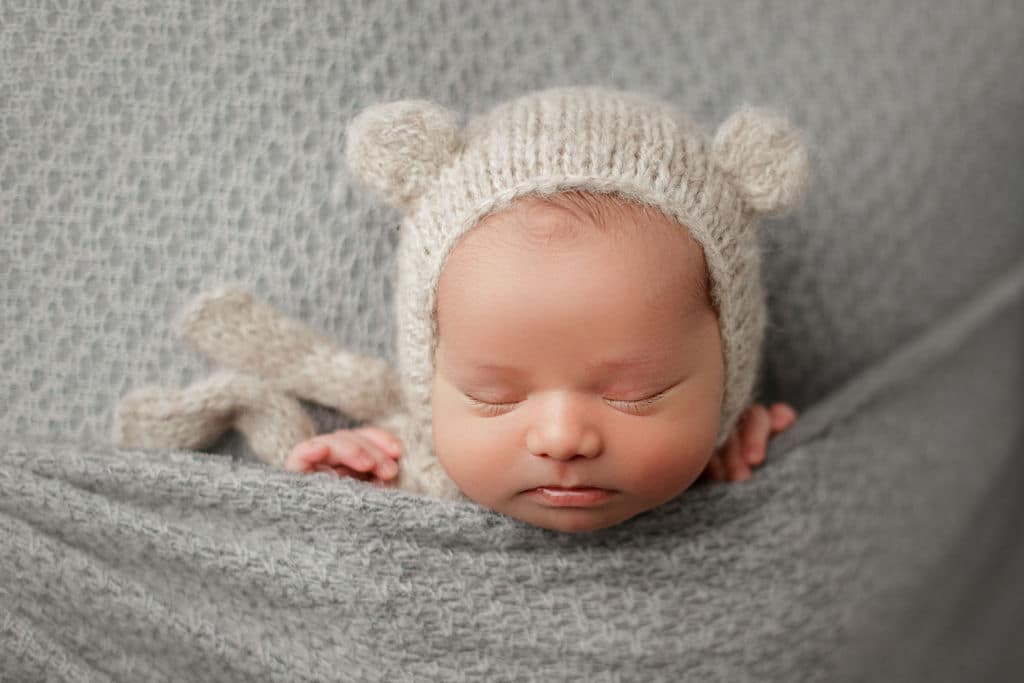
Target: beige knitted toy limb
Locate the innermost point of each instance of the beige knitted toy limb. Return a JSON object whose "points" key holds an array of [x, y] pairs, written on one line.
{"points": [[194, 418], [269, 361]]}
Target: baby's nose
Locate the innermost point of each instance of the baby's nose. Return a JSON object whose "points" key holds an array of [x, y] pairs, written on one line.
{"points": [[564, 455], [563, 433]]}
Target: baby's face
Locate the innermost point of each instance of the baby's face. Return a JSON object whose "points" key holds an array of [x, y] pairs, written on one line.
{"points": [[590, 361]]}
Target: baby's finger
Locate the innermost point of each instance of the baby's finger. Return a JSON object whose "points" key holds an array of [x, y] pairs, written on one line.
{"points": [[756, 428], [349, 452], [383, 483], [735, 465], [305, 455], [783, 416], [387, 442], [382, 464]]}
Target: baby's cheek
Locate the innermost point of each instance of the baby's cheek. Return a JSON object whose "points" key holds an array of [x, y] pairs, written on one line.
{"points": [[465, 448], [667, 463], [671, 475]]}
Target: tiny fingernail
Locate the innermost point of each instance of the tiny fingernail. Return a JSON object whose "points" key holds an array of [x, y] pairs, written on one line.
{"points": [[389, 469]]}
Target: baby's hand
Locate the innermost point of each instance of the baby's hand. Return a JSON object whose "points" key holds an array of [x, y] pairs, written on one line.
{"points": [[367, 454], [749, 441]]}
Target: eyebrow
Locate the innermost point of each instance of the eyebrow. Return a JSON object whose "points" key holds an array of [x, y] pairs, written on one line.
{"points": [[609, 364]]}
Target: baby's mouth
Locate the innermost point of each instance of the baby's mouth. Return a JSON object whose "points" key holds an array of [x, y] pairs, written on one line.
{"points": [[571, 496]]}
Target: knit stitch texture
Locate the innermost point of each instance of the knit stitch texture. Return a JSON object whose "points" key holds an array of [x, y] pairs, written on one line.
{"points": [[153, 150]]}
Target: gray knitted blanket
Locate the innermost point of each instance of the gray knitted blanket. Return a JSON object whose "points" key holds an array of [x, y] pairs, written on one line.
{"points": [[152, 150], [131, 565]]}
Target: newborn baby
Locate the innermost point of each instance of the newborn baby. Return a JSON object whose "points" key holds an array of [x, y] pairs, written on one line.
{"points": [[579, 307], [579, 369], [579, 302]]}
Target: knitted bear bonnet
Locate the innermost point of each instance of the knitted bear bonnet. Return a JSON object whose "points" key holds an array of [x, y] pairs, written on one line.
{"points": [[445, 177]]}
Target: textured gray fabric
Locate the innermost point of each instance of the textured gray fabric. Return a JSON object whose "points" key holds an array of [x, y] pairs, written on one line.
{"points": [[170, 566], [150, 151]]}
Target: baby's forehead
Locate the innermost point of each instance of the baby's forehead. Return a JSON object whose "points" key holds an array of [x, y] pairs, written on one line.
{"points": [[560, 221], [574, 213], [636, 244]]}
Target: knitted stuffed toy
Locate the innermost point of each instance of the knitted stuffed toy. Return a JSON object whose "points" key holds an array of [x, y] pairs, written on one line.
{"points": [[268, 361], [445, 178]]}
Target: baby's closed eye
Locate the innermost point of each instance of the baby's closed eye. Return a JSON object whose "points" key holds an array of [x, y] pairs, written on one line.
{"points": [[634, 406]]}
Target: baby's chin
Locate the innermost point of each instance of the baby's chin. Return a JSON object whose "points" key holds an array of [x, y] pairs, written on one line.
{"points": [[572, 519]]}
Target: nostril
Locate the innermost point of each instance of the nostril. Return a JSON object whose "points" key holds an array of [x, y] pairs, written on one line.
{"points": [[566, 458]]}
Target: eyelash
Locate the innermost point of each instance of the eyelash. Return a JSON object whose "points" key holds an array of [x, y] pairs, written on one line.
{"points": [[633, 407], [488, 408]]}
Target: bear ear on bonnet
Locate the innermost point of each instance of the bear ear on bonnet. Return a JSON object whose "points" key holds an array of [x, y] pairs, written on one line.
{"points": [[765, 157], [397, 149]]}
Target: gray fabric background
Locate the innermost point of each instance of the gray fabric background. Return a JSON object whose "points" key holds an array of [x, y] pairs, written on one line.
{"points": [[149, 151]]}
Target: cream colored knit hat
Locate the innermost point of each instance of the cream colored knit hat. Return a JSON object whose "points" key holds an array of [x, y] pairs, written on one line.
{"points": [[445, 178]]}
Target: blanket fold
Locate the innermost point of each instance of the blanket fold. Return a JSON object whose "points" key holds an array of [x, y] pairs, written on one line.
{"points": [[156, 565]]}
